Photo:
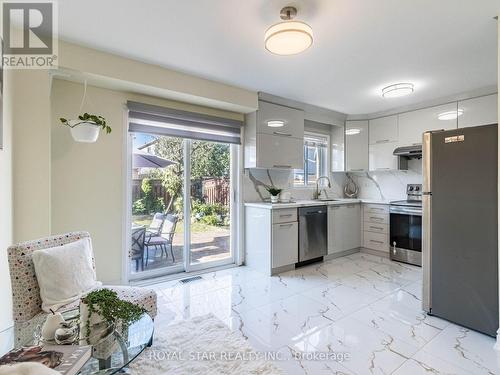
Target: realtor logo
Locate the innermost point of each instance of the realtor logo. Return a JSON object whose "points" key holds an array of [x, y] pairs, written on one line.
{"points": [[29, 35]]}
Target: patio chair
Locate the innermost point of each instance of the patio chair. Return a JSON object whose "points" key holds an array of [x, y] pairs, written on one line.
{"points": [[165, 238], [137, 247], [156, 226], [27, 303]]}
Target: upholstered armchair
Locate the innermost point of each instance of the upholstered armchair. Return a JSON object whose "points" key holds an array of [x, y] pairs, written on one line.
{"points": [[27, 304]]}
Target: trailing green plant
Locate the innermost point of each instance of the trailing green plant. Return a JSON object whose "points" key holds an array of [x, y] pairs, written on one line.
{"points": [[86, 117], [274, 191], [112, 309]]}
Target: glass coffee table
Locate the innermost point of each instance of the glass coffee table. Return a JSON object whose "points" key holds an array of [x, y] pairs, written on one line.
{"points": [[125, 346]]}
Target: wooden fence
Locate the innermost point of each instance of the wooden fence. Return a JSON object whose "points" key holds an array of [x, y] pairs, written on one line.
{"points": [[216, 190], [212, 190]]}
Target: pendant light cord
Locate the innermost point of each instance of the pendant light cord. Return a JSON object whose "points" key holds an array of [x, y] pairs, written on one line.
{"points": [[84, 95]]}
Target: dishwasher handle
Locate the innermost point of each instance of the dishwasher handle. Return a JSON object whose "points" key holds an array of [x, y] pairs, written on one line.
{"points": [[312, 211]]}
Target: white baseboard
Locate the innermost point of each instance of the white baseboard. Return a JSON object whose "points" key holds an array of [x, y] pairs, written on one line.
{"points": [[378, 253], [341, 254]]}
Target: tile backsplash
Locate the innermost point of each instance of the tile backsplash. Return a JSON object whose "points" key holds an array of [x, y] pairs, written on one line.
{"points": [[383, 185]]}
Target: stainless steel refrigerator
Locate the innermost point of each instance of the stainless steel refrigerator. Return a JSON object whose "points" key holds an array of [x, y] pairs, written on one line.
{"points": [[460, 226]]}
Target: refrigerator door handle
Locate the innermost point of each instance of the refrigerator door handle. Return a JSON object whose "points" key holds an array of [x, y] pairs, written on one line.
{"points": [[426, 252], [426, 221]]}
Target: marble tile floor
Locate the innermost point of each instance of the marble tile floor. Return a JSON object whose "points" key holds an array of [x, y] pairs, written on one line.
{"points": [[358, 314]]}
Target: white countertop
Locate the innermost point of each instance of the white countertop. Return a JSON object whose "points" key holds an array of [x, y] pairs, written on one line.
{"points": [[305, 203]]}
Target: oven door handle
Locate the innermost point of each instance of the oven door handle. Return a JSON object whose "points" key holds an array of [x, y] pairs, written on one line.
{"points": [[405, 211]]}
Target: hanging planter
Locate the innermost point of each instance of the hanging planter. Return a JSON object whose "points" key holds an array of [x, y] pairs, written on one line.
{"points": [[86, 129]]}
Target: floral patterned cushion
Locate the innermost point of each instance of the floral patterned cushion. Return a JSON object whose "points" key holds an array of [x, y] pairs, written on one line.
{"points": [[26, 292]]}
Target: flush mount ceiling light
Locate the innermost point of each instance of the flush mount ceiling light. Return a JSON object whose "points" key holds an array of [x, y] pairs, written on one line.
{"points": [[397, 90], [275, 123], [450, 115], [289, 37], [352, 131]]}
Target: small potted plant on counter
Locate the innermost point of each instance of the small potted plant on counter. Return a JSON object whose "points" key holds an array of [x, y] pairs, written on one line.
{"points": [[86, 128], [275, 193]]}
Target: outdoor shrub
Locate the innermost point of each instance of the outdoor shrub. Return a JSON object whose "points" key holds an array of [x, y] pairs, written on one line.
{"points": [[212, 219], [148, 204], [138, 207], [201, 209]]}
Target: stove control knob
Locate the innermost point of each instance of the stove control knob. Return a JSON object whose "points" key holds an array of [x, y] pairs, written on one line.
{"points": [[410, 188], [417, 188]]}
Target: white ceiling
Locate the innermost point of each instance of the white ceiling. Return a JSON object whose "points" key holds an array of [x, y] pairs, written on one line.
{"points": [[445, 47]]}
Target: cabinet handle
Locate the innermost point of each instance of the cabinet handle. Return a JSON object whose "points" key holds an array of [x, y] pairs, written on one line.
{"points": [[382, 141], [376, 209], [379, 228], [282, 166], [283, 133], [287, 215], [376, 218], [382, 169], [375, 241], [286, 225], [356, 170]]}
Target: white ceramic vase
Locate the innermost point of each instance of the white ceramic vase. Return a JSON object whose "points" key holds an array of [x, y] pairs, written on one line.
{"points": [[86, 132]]}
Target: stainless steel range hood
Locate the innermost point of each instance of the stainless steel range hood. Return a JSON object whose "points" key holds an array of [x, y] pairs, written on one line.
{"points": [[406, 153], [409, 151]]}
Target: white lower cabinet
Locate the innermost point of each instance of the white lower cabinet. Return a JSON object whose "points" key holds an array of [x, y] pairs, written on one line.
{"points": [[285, 244], [376, 227], [344, 227], [271, 239]]}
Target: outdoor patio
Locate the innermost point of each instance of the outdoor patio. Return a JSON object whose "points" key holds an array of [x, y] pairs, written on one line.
{"points": [[206, 246]]}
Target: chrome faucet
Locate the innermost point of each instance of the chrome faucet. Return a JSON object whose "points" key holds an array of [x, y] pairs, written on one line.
{"points": [[316, 193]]}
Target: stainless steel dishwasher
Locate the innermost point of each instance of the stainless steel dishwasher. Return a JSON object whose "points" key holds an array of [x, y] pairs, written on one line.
{"points": [[313, 233]]}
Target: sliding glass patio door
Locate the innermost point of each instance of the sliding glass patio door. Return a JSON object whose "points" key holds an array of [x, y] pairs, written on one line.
{"points": [[182, 199], [210, 197]]}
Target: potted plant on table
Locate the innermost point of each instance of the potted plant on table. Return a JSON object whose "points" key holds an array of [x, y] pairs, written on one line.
{"points": [[87, 127], [101, 314], [275, 193]]}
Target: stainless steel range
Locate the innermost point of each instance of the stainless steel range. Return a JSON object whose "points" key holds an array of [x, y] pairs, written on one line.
{"points": [[406, 227]]}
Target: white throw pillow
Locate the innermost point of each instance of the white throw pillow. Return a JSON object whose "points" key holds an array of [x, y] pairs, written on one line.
{"points": [[64, 273]]}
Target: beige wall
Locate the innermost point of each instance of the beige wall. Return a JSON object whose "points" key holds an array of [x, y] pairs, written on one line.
{"points": [[87, 191], [87, 179], [6, 218], [118, 73], [30, 95]]}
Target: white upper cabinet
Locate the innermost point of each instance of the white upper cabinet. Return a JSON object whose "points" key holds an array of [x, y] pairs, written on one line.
{"points": [[381, 156], [337, 139], [356, 143], [384, 129], [279, 152], [413, 124], [478, 111], [274, 145], [291, 118]]}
